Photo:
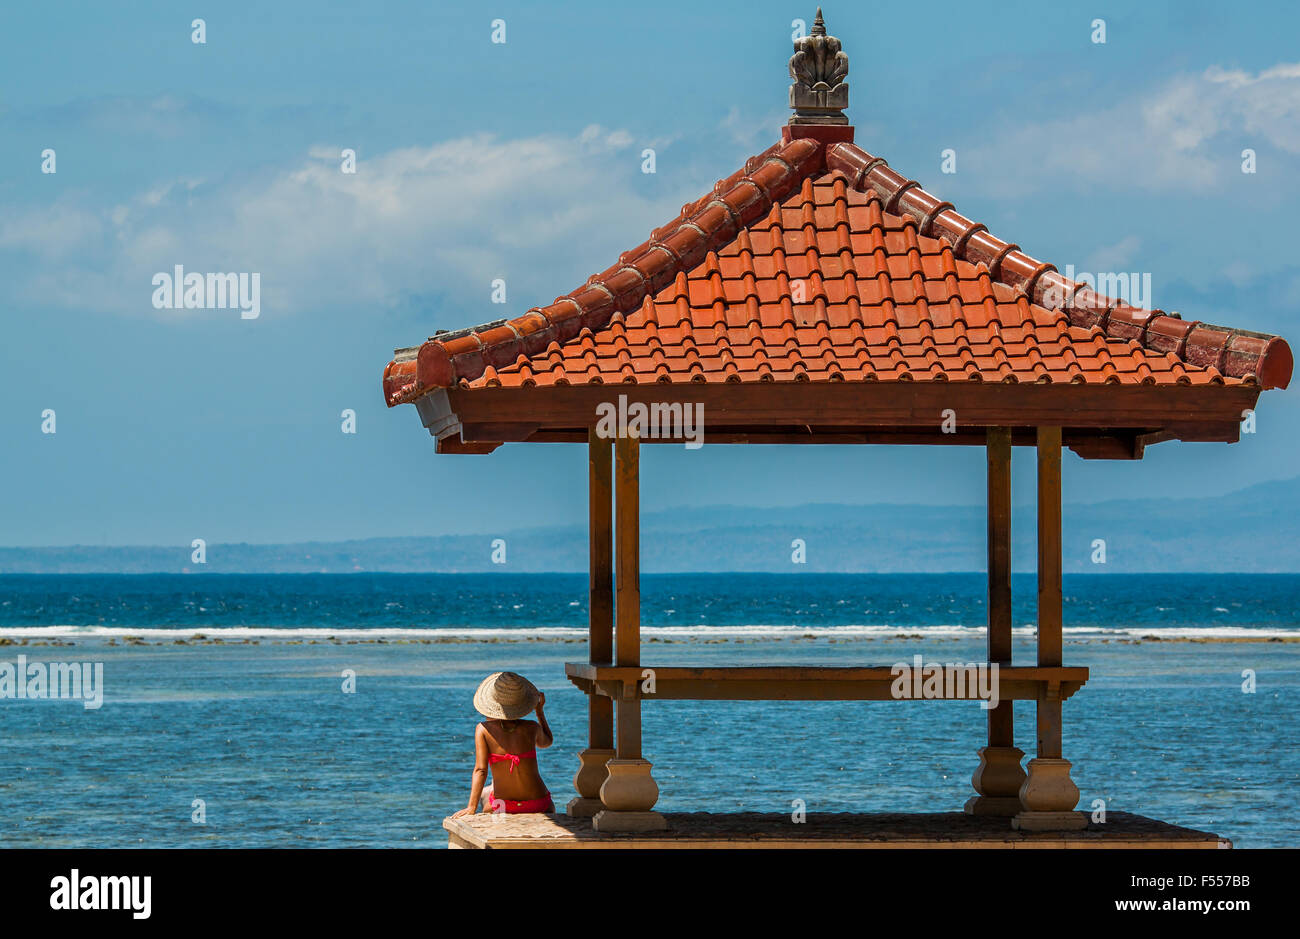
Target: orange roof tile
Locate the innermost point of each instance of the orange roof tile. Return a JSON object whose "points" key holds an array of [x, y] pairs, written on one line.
{"points": [[817, 262]]}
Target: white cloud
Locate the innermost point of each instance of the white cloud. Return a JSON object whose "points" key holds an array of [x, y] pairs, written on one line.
{"points": [[1268, 104], [750, 130], [438, 220], [1185, 134], [1116, 257], [59, 231]]}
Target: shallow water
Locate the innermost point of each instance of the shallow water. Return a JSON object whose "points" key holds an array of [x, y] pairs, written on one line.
{"points": [[264, 735]]}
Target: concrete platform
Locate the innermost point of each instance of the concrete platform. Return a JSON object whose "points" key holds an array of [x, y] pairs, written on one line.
{"points": [[757, 830]]}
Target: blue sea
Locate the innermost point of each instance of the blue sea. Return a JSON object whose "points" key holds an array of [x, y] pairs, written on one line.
{"points": [[224, 693]]}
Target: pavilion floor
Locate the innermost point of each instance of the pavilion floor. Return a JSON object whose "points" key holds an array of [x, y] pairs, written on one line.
{"points": [[772, 830]]}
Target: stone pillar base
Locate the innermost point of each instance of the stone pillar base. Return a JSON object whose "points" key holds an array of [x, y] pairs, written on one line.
{"points": [[607, 821], [1003, 806], [591, 773], [1049, 797], [583, 808], [1050, 821], [629, 787], [998, 780]]}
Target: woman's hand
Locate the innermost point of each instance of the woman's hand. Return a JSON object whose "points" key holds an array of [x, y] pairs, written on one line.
{"points": [[466, 811], [541, 701]]}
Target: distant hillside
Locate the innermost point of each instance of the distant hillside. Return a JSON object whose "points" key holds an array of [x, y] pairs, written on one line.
{"points": [[1252, 530]]}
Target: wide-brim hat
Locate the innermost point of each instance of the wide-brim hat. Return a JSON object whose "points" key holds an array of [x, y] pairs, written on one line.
{"points": [[505, 696]]}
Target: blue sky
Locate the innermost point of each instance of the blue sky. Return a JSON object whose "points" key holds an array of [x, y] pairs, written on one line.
{"points": [[522, 161]]}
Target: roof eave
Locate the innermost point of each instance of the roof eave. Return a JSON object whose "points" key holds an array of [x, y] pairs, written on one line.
{"points": [[1106, 421]]}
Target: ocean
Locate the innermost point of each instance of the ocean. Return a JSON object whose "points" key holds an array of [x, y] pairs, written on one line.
{"points": [[224, 720]]}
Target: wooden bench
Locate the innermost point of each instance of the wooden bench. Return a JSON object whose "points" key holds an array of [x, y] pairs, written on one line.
{"points": [[805, 683]]}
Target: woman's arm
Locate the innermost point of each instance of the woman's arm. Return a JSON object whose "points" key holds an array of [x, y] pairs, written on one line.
{"points": [[480, 772], [544, 738]]}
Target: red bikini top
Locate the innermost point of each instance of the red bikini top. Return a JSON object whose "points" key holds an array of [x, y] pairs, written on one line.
{"points": [[514, 758]]}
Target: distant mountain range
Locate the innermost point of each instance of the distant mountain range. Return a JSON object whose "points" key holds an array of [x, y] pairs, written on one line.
{"points": [[1251, 530]]}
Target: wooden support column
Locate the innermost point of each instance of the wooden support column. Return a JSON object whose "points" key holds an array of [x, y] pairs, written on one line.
{"points": [[629, 791], [1001, 724], [1049, 795], [628, 744], [627, 635], [1049, 582], [627, 559], [591, 772], [999, 776]]}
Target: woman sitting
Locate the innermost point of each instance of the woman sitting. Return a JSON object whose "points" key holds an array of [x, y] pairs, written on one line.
{"points": [[506, 745]]}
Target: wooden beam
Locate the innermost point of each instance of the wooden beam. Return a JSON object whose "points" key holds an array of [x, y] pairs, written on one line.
{"points": [[454, 444], [1049, 546], [813, 674], [627, 534], [870, 405], [1124, 447], [999, 544], [499, 431], [1088, 443], [806, 683], [1049, 585], [629, 727], [1048, 714], [600, 590], [1001, 721], [627, 604]]}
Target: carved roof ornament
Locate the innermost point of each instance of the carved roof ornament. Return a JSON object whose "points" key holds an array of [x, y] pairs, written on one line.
{"points": [[819, 94]]}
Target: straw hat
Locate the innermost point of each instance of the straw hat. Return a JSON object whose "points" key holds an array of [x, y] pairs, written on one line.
{"points": [[505, 696]]}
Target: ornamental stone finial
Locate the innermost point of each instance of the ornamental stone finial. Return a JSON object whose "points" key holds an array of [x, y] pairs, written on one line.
{"points": [[819, 94]]}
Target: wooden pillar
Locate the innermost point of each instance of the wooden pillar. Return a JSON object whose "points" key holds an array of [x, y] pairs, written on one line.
{"points": [[627, 608], [1049, 582], [591, 772], [1049, 795], [1001, 724], [600, 586], [628, 744], [627, 560], [999, 776], [1049, 546], [629, 791]]}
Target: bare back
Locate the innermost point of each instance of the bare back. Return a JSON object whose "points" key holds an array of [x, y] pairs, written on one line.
{"points": [[513, 780]]}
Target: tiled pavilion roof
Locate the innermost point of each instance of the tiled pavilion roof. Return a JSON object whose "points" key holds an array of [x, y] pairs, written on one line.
{"points": [[816, 262]]}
